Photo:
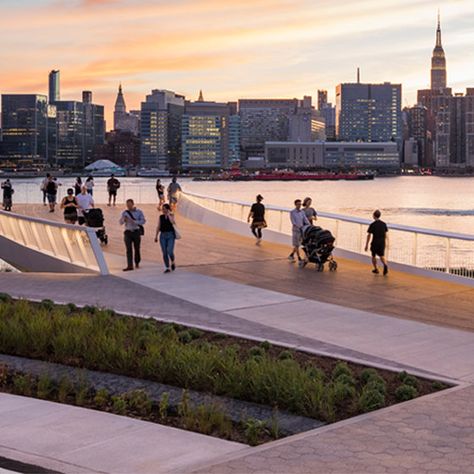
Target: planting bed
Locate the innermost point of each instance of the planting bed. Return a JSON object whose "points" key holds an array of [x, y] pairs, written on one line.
{"points": [[193, 362]]}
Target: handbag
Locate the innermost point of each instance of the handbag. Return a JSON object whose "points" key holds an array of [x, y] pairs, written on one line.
{"points": [[177, 233]]}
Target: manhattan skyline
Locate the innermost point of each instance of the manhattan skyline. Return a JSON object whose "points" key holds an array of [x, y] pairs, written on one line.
{"points": [[259, 48]]}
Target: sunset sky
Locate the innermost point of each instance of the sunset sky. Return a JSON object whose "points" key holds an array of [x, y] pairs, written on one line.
{"points": [[229, 48]]}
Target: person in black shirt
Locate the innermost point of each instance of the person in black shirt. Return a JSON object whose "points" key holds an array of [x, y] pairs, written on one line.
{"points": [[69, 205], [113, 185], [7, 195], [257, 216], [378, 231], [166, 229]]}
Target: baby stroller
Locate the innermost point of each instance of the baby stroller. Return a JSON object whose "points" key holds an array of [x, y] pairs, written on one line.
{"points": [[318, 245], [95, 218]]}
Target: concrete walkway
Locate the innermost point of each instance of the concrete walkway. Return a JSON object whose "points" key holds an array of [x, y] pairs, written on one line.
{"points": [[76, 440]]}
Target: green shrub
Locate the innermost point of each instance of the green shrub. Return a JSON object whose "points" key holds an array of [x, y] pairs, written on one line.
{"points": [[185, 337], [377, 383], [265, 345], [437, 385], [5, 298], [65, 388], [3, 375], [254, 431], [346, 379], [82, 395], [47, 304], [209, 419], [283, 355], [71, 307], [340, 369], [412, 381], [195, 333], [256, 351], [119, 405], [90, 309], [168, 330], [370, 399], [45, 387], [164, 406], [343, 393], [101, 398], [23, 385], [405, 392], [139, 402], [402, 375], [368, 374]]}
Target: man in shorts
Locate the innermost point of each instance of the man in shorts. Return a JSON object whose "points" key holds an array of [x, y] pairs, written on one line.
{"points": [[299, 221], [51, 192], [378, 232], [173, 193], [113, 185]]}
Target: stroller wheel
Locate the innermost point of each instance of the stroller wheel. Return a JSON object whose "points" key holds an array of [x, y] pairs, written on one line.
{"points": [[333, 266], [106, 240], [320, 267]]}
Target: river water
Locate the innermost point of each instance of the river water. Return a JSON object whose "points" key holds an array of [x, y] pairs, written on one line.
{"points": [[422, 201]]}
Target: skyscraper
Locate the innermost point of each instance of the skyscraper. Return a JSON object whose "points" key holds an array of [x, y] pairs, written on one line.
{"points": [[206, 134], [322, 99], [438, 63], [124, 120], [160, 129], [369, 112], [54, 92], [25, 130]]}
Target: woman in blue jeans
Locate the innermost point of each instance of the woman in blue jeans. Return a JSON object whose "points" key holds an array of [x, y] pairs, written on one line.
{"points": [[167, 234]]}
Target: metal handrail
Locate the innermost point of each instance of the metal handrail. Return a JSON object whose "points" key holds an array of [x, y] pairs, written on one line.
{"points": [[354, 220]]}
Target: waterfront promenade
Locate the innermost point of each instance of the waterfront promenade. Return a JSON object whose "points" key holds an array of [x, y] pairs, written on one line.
{"points": [[224, 282]]}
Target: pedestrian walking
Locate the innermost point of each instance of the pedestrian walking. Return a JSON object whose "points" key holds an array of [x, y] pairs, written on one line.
{"points": [[168, 233], [8, 191], [160, 189], [113, 185], [84, 202], [90, 185], [173, 193], [51, 193], [78, 186], [44, 183], [133, 220], [69, 205], [257, 216], [377, 237], [310, 211], [299, 221]]}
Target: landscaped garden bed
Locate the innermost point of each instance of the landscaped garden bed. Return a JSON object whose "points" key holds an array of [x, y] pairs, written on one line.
{"points": [[191, 360]]}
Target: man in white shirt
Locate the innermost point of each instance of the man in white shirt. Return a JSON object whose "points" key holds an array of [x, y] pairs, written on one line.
{"points": [[298, 221], [85, 202]]}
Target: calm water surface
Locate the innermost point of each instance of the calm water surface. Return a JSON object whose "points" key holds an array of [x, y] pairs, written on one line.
{"points": [[432, 202]]}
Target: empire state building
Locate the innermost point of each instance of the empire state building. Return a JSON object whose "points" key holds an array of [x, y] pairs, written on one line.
{"points": [[438, 63]]}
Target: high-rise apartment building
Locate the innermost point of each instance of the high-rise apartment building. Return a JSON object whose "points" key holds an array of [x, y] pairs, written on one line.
{"points": [[123, 120], [25, 130], [54, 86], [369, 112], [94, 126], [160, 130], [206, 134], [263, 120], [417, 123]]}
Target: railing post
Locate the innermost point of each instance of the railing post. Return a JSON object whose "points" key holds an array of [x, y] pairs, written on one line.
{"points": [[361, 238], [415, 249], [336, 230], [448, 256]]}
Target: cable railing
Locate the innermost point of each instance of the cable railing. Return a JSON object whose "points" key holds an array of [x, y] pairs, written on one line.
{"points": [[72, 244], [427, 249]]}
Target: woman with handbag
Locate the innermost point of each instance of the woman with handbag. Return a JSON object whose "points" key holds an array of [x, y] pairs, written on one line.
{"points": [[257, 216], [168, 232]]}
